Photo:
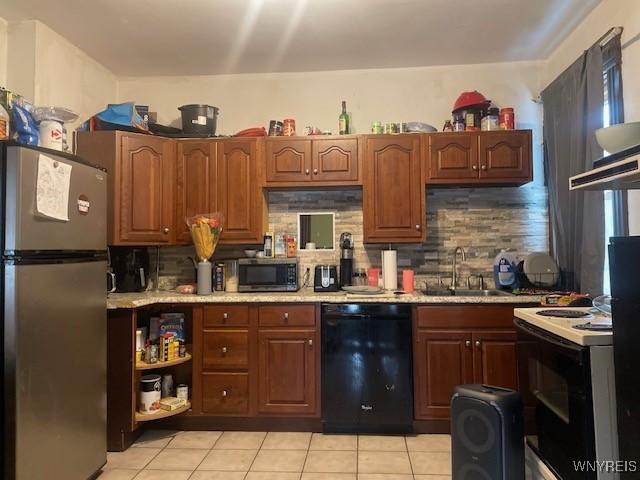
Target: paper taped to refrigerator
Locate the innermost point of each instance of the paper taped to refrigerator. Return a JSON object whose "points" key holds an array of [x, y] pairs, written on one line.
{"points": [[52, 188]]}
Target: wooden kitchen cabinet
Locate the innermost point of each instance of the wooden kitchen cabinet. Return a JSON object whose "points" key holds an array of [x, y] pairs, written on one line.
{"points": [[321, 161], [140, 184], [478, 158], [457, 345], [393, 197], [443, 360], [494, 358], [195, 183], [288, 362], [239, 191], [506, 156], [225, 393]]}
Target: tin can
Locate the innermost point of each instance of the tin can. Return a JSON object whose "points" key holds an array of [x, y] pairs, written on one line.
{"points": [[507, 118], [218, 283], [377, 127], [182, 392], [275, 128], [182, 350], [402, 127], [151, 354], [391, 128], [458, 126], [289, 127]]}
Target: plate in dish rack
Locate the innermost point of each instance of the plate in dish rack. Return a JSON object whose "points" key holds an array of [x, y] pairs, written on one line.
{"points": [[363, 289]]}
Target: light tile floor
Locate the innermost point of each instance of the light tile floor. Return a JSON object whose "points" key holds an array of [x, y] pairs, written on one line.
{"points": [[171, 455]]}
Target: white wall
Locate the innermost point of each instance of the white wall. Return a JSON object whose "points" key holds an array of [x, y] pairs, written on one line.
{"points": [[4, 40], [21, 63], [389, 95], [66, 76], [610, 13]]}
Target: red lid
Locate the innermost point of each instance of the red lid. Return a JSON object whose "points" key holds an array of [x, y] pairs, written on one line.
{"points": [[467, 99], [507, 109]]}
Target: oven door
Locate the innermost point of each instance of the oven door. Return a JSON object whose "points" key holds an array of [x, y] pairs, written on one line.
{"points": [[555, 379]]}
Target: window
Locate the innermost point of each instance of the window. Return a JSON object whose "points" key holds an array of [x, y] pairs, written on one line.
{"points": [[615, 202]]}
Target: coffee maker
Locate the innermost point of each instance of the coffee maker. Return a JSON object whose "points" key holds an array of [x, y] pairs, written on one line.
{"points": [[346, 258]]}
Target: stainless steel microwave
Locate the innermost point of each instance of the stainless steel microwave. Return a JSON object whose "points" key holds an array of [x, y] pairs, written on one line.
{"points": [[268, 275]]}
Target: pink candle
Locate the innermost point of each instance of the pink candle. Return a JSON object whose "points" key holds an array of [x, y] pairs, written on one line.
{"points": [[407, 281]]}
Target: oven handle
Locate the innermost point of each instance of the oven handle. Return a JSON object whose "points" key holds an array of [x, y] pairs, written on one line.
{"points": [[551, 339]]}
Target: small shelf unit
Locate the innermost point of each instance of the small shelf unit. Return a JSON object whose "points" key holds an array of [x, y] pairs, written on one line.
{"points": [[170, 363]]}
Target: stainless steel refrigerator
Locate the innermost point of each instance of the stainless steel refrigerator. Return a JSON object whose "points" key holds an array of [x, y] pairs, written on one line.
{"points": [[54, 316]]}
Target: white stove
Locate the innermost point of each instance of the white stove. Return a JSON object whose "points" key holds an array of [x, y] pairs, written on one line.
{"points": [[564, 327]]}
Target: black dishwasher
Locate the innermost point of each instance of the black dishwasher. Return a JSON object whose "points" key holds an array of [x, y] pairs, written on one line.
{"points": [[367, 374]]}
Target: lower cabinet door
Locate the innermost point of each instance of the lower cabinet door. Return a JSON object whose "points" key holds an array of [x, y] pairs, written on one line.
{"points": [[288, 372], [443, 360], [494, 359], [225, 393]]}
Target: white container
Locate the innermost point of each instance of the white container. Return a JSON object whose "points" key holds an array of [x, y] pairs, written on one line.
{"points": [[182, 392], [149, 394], [504, 270], [51, 134], [390, 269]]}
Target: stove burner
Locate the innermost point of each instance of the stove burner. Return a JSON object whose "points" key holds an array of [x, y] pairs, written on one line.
{"points": [[564, 313]]}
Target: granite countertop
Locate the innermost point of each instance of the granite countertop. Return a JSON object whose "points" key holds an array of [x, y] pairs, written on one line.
{"points": [[135, 300]]}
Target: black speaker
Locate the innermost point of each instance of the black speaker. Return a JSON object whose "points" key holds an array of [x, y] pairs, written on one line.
{"points": [[487, 433]]}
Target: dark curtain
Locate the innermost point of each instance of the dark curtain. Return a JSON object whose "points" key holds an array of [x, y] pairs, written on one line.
{"points": [[573, 106], [612, 65]]}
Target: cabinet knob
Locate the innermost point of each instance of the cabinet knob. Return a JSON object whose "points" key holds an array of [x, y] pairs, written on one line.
{"points": [[165, 230], [224, 350], [417, 227], [315, 171], [224, 393], [483, 167], [306, 171], [478, 343], [286, 315], [310, 342], [475, 167], [467, 343], [225, 315]]}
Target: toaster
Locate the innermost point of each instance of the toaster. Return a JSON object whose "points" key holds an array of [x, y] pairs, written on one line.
{"points": [[325, 279]]}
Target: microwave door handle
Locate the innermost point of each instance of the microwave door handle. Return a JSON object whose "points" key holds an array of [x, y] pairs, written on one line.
{"points": [[566, 347]]}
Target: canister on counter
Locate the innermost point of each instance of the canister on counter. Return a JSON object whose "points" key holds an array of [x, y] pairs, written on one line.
{"points": [[289, 127], [391, 128], [507, 118], [149, 401], [275, 128], [182, 392], [218, 282], [377, 127]]}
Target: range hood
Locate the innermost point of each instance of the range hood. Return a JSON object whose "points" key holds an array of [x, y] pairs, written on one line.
{"points": [[620, 171]]}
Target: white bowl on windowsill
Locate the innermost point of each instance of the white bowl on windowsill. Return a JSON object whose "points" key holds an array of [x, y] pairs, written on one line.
{"points": [[619, 137]]}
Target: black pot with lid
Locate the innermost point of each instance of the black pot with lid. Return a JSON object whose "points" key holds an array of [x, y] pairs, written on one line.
{"points": [[199, 119]]}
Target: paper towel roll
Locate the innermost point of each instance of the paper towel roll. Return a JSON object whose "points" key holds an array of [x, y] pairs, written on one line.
{"points": [[390, 269]]}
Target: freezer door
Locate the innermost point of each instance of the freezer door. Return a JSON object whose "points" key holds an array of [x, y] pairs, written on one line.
{"points": [[55, 365], [26, 230]]}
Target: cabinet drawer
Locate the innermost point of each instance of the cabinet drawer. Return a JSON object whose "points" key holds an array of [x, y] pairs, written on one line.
{"points": [[224, 348], [288, 316], [460, 316], [225, 393], [226, 315]]}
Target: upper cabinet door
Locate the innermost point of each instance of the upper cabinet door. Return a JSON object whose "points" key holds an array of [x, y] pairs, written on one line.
{"points": [[144, 191], [288, 161], [506, 156], [452, 157], [335, 161], [240, 196], [393, 190], [195, 183]]}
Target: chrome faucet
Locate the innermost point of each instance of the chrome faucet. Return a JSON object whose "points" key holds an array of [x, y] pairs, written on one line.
{"points": [[454, 269]]}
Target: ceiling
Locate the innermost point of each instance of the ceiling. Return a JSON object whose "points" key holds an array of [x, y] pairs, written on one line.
{"points": [[200, 37]]}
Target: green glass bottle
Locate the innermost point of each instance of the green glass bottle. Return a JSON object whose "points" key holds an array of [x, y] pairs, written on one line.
{"points": [[343, 120]]}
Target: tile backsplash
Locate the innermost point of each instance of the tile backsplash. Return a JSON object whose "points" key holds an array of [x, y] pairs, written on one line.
{"points": [[481, 220]]}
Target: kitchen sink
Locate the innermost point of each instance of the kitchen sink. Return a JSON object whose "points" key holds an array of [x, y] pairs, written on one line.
{"points": [[467, 293]]}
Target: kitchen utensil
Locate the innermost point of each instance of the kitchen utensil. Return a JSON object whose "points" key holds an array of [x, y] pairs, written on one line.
{"points": [[251, 253], [363, 289], [541, 269], [617, 138], [199, 118], [469, 99], [325, 278]]}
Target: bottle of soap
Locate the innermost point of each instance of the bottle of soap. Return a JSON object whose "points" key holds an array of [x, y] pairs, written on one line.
{"points": [[504, 270]]}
